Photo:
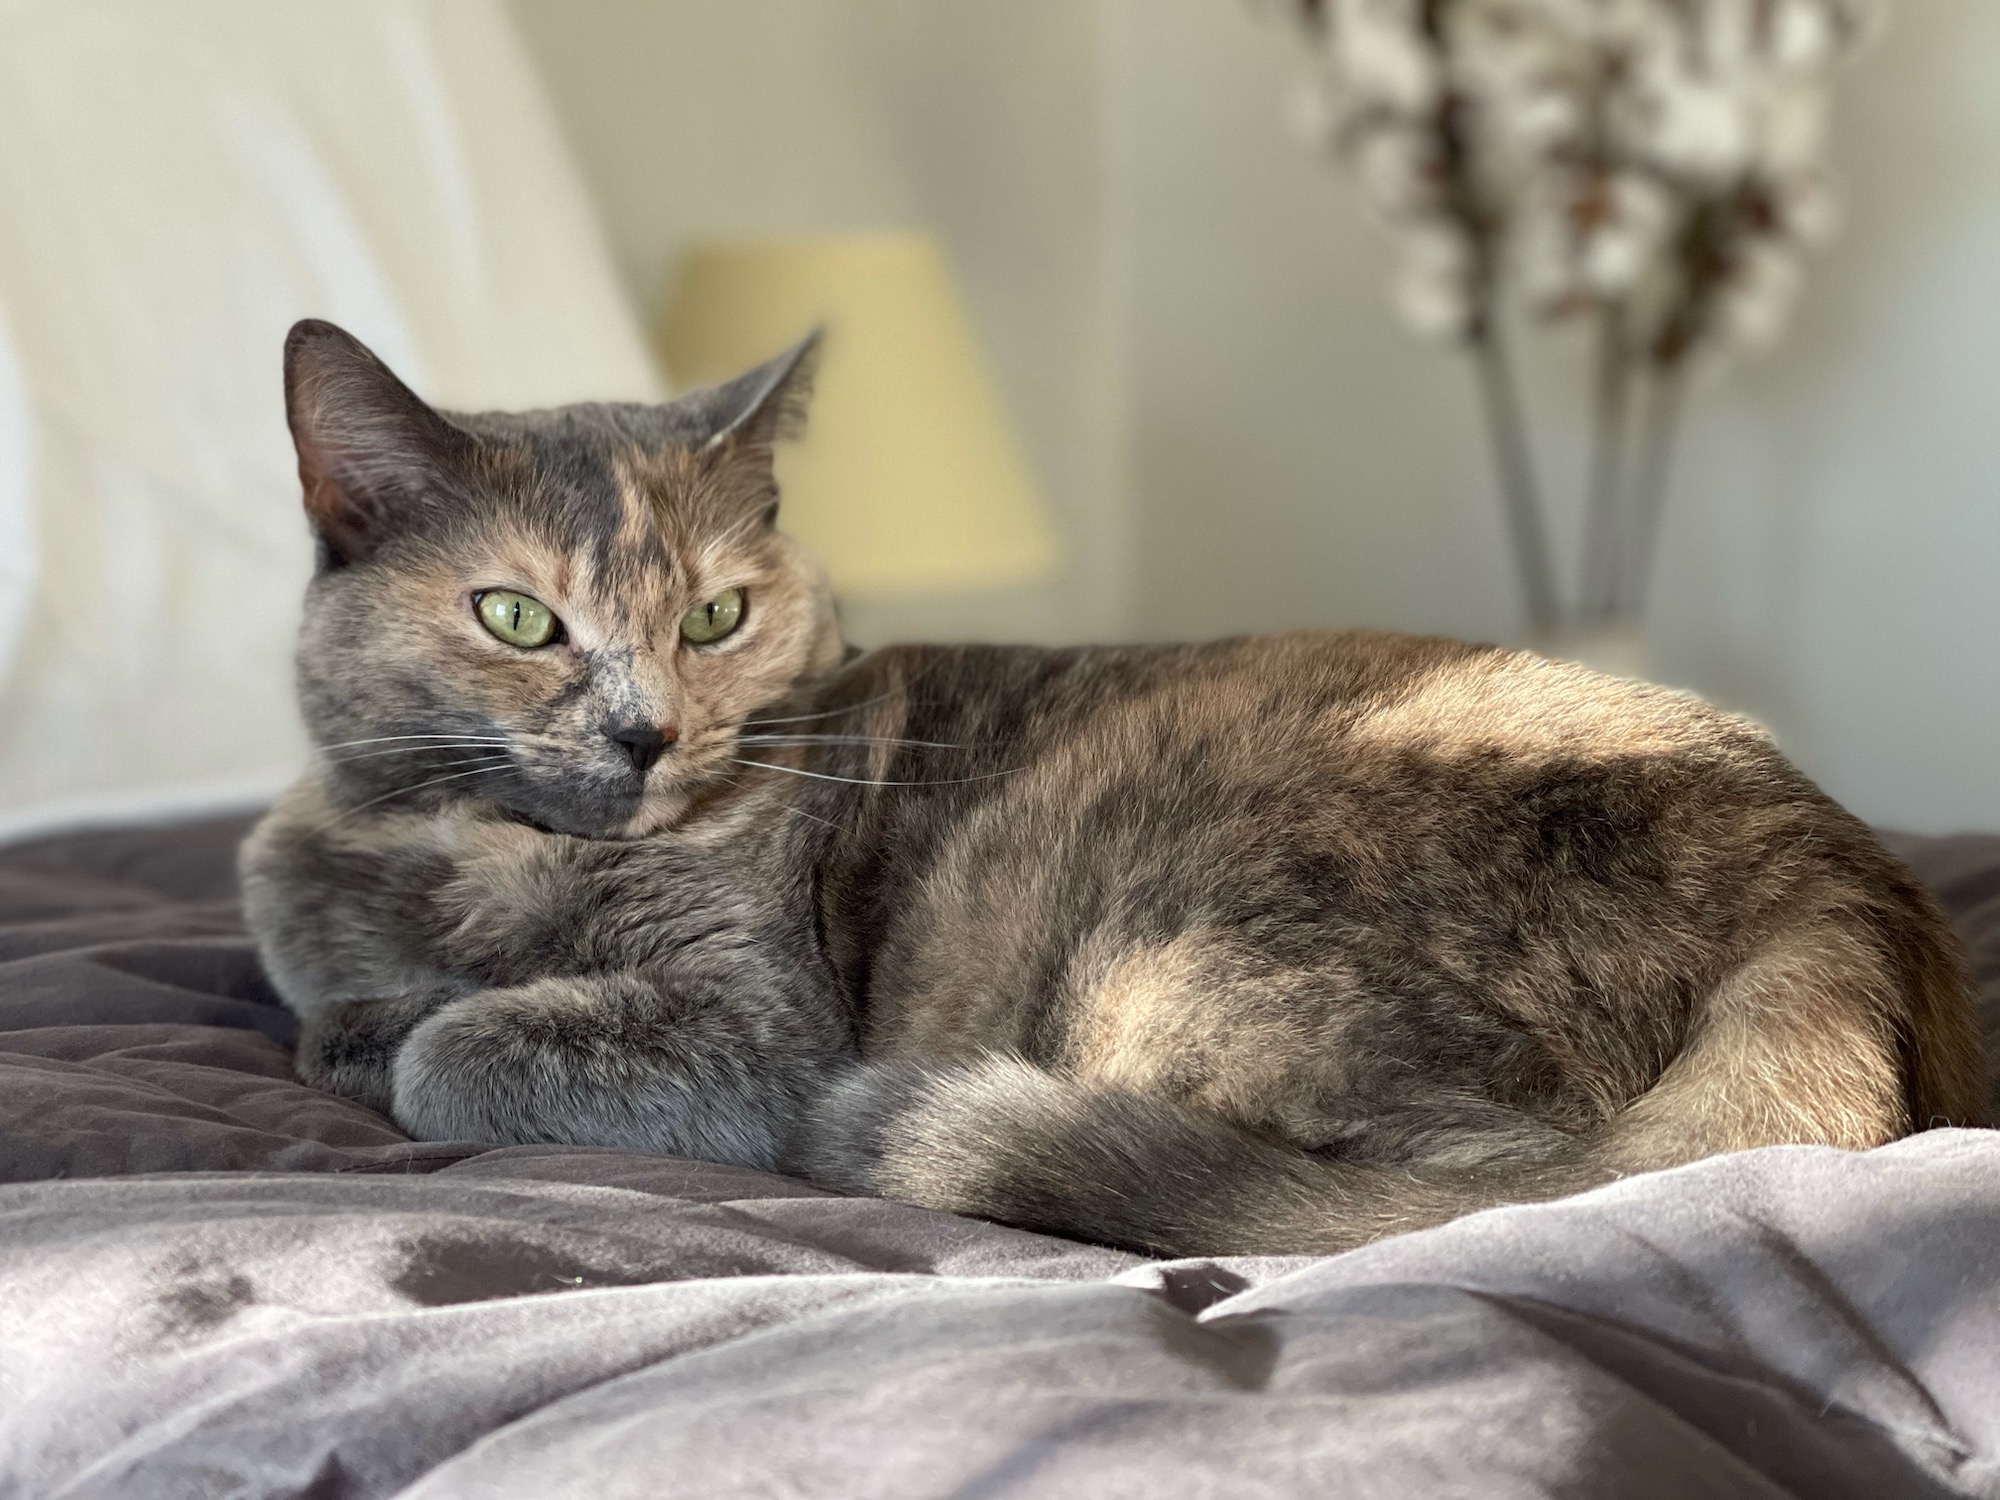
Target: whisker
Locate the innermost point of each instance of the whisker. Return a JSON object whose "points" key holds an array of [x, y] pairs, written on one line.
{"points": [[443, 748], [830, 713], [490, 757], [386, 738], [489, 760], [765, 765], [845, 739], [815, 817], [405, 790]]}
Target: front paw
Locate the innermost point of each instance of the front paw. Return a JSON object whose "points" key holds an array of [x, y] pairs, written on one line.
{"points": [[349, 1047]]}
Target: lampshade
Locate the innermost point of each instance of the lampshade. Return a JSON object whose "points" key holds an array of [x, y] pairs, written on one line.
{"points": [[907, 480]]}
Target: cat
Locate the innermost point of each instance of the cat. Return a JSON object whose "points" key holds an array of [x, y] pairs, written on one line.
{"points": [[1263, 945]]}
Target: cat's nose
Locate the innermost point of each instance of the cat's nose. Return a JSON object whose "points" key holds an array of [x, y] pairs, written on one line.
{"points": [[642, 743]]}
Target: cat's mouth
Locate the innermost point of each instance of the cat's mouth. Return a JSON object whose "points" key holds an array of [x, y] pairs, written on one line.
{"points": [[595, 802], [674, 789], [652, 807]]}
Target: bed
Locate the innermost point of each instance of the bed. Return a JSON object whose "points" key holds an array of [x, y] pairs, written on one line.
{"points": [[217, 1282]]}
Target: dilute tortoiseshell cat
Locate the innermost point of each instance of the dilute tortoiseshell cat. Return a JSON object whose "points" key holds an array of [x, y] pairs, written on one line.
{"points": [[1265, 945]]}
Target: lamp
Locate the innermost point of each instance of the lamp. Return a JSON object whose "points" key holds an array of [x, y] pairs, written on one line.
{"points": [[907, 480]]}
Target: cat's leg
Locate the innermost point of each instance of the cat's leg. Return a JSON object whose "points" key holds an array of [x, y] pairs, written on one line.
{"points": [[341, 905], [714, 1065], [349, 1047]]}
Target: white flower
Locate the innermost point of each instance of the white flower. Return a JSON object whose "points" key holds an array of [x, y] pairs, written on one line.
{"points": [[1434, 282], [1380, 53], [1590, 236], [1614, 249], [1544, 118], [1756, 301], [1691, 125], [1608, 23], [1585, 137], [1800, 36]]}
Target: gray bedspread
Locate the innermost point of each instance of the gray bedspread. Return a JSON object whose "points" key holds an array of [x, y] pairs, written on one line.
{"points": [[214, 1282]]}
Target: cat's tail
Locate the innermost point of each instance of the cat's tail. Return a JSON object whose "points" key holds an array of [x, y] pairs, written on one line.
{"points": [[1809, 1041], [1002, 1139]]}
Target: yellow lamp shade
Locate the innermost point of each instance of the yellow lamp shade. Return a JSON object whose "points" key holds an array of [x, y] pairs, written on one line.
{"points": [[907, 480]]}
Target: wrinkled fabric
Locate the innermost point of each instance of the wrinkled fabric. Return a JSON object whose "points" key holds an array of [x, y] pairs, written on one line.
{"points": [[216, 1282]]}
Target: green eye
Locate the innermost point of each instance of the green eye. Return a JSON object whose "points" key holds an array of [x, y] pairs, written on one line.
{"points": [[515, 618], [713, 620]]}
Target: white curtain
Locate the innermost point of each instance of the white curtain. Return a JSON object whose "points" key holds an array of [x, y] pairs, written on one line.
{"points": [[179, 181]]}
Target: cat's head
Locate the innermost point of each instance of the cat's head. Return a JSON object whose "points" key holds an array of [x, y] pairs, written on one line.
{"points": [[566, 613]]}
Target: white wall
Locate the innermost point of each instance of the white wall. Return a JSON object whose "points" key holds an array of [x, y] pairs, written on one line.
{"points": [[1186, 308]]}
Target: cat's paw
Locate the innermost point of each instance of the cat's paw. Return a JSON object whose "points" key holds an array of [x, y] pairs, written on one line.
{"points": [[349, 1047], [596, 1060]]}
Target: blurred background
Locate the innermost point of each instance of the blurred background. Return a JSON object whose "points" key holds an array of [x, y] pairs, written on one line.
{"points": [[1160, 325]]}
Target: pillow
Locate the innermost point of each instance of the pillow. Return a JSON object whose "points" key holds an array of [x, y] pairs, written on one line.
{"points": [[180, 183]]}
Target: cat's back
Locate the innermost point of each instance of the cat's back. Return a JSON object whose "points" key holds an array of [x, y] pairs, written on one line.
{"points": [[1318, 700], [1358, 806], [1354, 759]]}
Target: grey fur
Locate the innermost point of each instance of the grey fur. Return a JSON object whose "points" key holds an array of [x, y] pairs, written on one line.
{"points": [[663, 1014], [1260, 945]]}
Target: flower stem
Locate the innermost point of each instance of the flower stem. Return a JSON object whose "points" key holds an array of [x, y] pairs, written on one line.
{"points": [[1649, 487], [1515, 467], [1605, 519]]}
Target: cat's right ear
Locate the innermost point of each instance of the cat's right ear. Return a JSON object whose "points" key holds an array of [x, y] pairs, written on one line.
{"points": [[370, 450]]}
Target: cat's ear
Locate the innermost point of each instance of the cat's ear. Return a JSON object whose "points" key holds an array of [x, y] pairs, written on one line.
{"points": [[768, 403], [739, 422], [369, 449]]}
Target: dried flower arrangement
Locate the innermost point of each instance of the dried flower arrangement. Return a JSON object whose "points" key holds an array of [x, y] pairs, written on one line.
{"points": [[1653, 165]]}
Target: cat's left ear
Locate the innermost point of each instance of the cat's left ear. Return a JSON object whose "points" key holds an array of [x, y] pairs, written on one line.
{"points": [[738, 423]]}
